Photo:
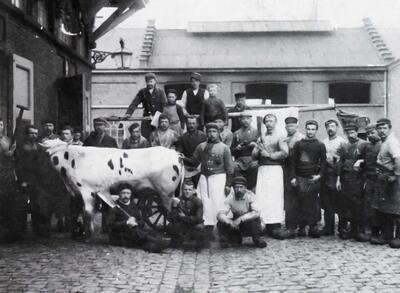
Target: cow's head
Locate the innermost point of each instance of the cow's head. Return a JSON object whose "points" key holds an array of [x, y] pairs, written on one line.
{"points": [[53, 145]]}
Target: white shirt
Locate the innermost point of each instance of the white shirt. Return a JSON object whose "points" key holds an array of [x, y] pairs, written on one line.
{"points": [[332, 146], [182, 102]]}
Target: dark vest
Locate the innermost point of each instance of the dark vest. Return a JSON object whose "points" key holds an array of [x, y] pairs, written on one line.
{"points": [[194, 102]]}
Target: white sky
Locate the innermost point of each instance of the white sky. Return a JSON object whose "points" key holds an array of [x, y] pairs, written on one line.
{"points": [[342, 13]]}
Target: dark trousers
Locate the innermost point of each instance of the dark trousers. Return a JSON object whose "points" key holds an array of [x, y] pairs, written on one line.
{"points": [[249, 228], [351, 205], [370, 205], [329, 203], [137, 237], [306, 208], [181, 231], [147, 129], [387, 224], [291, 207]]}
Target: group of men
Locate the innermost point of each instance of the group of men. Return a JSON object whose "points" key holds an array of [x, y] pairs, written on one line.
{"points": [[247, 183]]}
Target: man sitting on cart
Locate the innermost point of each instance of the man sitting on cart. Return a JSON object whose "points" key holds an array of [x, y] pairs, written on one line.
{"points": [[129, 230]]}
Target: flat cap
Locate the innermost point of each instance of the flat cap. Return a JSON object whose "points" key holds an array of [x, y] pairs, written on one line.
{"points": [[212, 125], [48, 121], [195, 75], [239, 95], [312, 122], [239, 180], [370, 127], [99, 120], [289, 120], [172, 91], [327, 122], [149, 76], [383, 121], [351, 126]]}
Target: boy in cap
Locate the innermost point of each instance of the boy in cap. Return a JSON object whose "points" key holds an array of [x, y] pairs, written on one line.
{"points": [[245, 219], [186, 218], [329, 193], [174, 112], [193, 98], [163, 135], [271, 152], [136, 140], [99, 138], [388, 179], [350, 184], [76, 136], [225, 134], [130, 230], [216, 174], [152, 98], [308, 165], [244, 141], [213, 107], [240, 106]]}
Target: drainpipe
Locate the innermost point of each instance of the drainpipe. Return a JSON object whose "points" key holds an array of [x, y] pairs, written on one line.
{"points": [[386, 92]]}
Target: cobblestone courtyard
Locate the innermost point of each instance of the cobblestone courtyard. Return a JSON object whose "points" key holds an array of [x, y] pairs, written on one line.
{"points": [[321, 265]]}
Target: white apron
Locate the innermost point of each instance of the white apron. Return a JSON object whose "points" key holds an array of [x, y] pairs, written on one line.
{"points": [[269, 194], [211, 191]]}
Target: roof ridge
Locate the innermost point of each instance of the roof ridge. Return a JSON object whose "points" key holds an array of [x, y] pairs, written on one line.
{"points": [[377, 41]]}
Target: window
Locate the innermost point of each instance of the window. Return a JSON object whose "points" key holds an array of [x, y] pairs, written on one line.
{"points": [[180, 87], [350, 92], [39, 10], [258, 93]]}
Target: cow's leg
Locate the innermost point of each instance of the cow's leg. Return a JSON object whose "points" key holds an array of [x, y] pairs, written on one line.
{"points": [[88, 197]]}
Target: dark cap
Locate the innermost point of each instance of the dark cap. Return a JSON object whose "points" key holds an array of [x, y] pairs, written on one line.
{"points": [[351, 126], [289, 120], [240, 95], [383, 121], [48, 121], [149, 76], [172, 91], [219, 117], [212, 125], [133, 126], [99, 120], [195, 75], [369, 127], [239, 180], [123, 186], [312, 122], [327, 122], [246, 114]]}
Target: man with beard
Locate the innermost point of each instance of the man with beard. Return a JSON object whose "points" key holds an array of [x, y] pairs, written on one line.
{"points": [[244, 141], [136, 140], [240, 106], [290, 197], [187, 144], [388, 183], [152, 98], [371, 203], [164, 135], [308, 166], [99, 138], [329, 193], [216, 174], [48, 130], [350, 184], [245, 219], [130, 230], [271, 151]]}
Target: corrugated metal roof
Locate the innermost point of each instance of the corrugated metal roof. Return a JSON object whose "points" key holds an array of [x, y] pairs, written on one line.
{"points": [[258, 26]]}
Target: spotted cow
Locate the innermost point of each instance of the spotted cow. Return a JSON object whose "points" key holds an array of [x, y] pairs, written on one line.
{"points": [[89, 170]]}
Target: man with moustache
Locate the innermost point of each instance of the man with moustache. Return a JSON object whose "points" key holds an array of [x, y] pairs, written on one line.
{"points": [[99, 138], [48, 130], [239, 107], [329, 193], [152, 98]]}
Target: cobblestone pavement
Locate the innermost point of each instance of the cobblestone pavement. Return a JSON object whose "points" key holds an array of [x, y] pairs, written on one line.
{"points": [[310, 265]]}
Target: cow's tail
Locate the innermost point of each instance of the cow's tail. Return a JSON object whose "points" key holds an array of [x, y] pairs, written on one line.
{"points": [[182, 172]]}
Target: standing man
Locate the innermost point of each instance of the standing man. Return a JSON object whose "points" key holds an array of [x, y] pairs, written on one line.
{"points": [[216, 174], [163, 135], [388, 187], [187, 144], [290, 197], [308, 166], [213, 107], [193, 98], [329, 194], [152, 98], [371, 202], [271, 151], [48, 130], [350, 184], [240, 217], [240, 106], [244, 141], [99, 138], [136, 140]]}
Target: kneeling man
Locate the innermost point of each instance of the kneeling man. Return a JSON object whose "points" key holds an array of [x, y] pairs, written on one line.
{"points": [[129, 230], [240, 217], [186, 219]]}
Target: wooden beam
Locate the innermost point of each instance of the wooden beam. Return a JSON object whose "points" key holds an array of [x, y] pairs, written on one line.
{"points": [[125, 10]]}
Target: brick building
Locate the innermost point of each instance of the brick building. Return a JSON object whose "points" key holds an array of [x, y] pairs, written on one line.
{"points": [[45, 59], [288, 62]]}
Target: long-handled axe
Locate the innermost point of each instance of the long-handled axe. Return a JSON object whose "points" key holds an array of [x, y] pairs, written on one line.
{"points": [[18, 122]]}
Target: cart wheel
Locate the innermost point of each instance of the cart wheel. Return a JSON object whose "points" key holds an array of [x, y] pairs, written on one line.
{"points": [[154, 214]]}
